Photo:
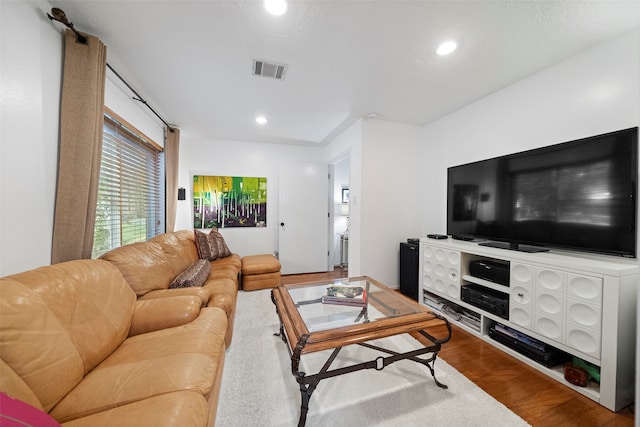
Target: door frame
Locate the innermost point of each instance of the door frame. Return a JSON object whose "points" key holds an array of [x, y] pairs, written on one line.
{"points": [[332, 214]]}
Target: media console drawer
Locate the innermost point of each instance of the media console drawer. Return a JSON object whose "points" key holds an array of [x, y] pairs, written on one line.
{"points": [[441, 271]]}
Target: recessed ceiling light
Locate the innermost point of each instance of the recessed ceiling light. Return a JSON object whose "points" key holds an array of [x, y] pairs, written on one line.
{"points": [[275, 7], [261, 120], [446, 48]]}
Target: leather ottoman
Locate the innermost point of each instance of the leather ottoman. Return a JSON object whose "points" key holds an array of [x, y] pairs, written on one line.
{"points": [[260, 272]]}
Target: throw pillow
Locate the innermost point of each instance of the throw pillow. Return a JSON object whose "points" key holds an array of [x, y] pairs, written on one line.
{"points": [[202, 244], [195, 275], [213, 245], [15, 412], [216, 240]]}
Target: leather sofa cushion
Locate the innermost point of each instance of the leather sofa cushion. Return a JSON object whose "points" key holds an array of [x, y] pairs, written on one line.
{"points": [[153, 265], [152, 364], [179, 249], [177, 409], [224, 273], [200, 292], [224, 293], [161, 313], [144, 266], [58, 322], [233, 261]]}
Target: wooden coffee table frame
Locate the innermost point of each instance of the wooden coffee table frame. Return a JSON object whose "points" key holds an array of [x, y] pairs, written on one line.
{"points": [[299, 340]]}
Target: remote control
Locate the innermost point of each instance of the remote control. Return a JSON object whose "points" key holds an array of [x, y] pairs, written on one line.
{"points": [[437, 236], [462, 237]]}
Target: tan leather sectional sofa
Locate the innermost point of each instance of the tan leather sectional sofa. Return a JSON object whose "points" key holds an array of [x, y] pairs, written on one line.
{"points": [[106, 343]]}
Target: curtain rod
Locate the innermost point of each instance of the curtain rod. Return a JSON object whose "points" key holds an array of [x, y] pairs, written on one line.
{"points": [[139, 98], [60, 16]]}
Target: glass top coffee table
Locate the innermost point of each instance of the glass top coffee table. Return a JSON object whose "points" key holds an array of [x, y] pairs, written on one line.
{"points": [[333, 314]]}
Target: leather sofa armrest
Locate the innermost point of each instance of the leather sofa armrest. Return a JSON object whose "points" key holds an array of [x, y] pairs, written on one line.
{"points": [[161, 313], [198, 291]]}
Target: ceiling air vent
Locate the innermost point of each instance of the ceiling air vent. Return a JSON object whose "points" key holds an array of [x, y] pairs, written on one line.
{"points": [[269, 69]]}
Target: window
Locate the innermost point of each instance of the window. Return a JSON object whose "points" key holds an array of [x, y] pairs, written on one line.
{"points": [[131, 196]]}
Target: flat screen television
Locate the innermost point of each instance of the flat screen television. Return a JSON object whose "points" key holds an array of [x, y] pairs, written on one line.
{"points": [[578, 195]]}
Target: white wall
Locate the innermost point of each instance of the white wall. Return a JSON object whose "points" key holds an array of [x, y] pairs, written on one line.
{"points": [[594, 92], [433, 188], [121, 102], [30, 69], [200, 156], [31, 53], [390, 200]]}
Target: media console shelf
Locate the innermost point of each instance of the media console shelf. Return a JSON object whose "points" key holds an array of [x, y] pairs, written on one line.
{"points": [[581, 304]]}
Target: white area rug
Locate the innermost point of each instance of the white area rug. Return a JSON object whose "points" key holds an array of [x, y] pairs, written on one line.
{"points": [[258, 388]]}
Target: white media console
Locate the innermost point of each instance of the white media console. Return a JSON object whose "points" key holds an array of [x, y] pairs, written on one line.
{"points": [[582, 304]]}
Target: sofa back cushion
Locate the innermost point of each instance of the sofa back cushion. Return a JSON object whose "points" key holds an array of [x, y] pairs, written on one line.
{"points": [[179, 248], [58, 322], [152, 265]]}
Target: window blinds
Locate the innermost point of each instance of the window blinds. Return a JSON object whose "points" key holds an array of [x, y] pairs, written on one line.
{"points": [[130, 205]]}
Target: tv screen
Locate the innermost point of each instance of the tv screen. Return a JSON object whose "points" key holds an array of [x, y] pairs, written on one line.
{"points": [[578, 195]]}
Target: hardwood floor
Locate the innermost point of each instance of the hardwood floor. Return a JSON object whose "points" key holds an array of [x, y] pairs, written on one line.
{"points": [[536, 398]]}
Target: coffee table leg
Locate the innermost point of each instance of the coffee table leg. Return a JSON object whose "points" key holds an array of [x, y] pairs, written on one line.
{"points": [[305, 394], [305, 390], [430, 363], [433, 374], [308, 384], [281, 333]]}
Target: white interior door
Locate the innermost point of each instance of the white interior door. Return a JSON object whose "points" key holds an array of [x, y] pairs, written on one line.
{"points": [[304, 221]]}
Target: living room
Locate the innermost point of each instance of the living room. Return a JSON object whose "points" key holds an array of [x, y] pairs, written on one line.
{"points": [[591, 92]]}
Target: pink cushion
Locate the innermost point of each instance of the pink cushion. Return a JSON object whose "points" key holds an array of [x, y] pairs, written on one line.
{"points": [[16, 413]]}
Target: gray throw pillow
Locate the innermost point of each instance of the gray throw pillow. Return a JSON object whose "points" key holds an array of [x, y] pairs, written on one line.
{"points": [[217, 241], [202, 244], [195, 275]]}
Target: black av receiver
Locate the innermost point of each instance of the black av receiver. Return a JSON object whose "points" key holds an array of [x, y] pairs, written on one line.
{"points": [[487, 299], [493, 271]]}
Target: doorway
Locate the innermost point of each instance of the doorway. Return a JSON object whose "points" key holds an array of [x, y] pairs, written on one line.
{"points": [[339, 233]]}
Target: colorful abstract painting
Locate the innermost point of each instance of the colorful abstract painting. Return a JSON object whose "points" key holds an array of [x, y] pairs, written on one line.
{"points": [[229, 201]]}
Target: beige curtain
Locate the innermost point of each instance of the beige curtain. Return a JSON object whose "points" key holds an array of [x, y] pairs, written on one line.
{"points": [[171, 157], [81, 121]]}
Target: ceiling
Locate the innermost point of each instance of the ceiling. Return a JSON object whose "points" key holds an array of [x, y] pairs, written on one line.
{"points": [[192, 60]]}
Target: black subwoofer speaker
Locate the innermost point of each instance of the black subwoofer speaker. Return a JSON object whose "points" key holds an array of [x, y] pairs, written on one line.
{"points": [[409, 269]]}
